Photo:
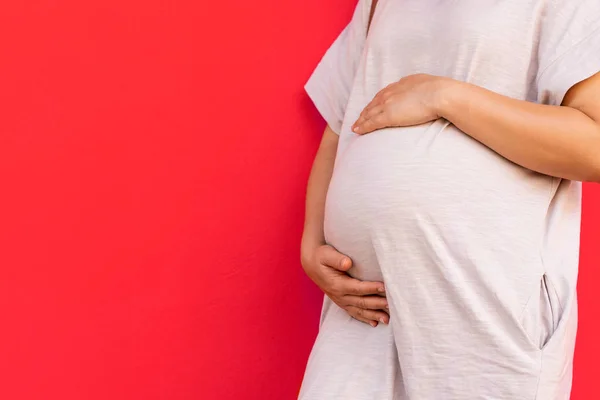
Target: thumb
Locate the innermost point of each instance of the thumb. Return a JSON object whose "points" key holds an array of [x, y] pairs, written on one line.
{"points": [[334, 259]]}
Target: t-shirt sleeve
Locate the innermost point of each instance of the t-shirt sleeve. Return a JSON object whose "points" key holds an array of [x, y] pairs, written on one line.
{"points": [[330, 84], [569, 48]]}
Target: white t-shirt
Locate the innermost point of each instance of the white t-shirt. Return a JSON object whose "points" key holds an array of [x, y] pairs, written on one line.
{"points": [[439, 209]]}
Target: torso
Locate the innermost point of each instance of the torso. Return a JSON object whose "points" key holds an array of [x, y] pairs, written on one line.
{"points": [[432, 183]]}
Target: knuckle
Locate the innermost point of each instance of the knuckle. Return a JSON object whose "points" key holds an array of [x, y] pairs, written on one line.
{"points": [[343, 300], [335, 289], [362, 289], [335, 298], [390, 99], [362, 303]]}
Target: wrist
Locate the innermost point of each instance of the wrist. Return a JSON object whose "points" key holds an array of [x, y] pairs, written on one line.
{"points": [[308, 247], [447, 96]]}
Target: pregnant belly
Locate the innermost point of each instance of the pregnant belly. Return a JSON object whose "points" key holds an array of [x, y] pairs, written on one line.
{"points": [[401, 187]]}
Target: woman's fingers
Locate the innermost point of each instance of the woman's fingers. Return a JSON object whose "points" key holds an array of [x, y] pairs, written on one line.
{"points": [[332, 258], [370, 112], [367, 302], [355, 287], [383, 94], [363, 300], [373, 119], [368, 316], [365, 320]]}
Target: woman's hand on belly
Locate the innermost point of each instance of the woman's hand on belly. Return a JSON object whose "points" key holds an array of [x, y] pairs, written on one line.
{"points": [[362, 300], [410, 101]]}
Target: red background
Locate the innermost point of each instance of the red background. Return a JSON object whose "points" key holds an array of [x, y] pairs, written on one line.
{"points": [[153, 157]]}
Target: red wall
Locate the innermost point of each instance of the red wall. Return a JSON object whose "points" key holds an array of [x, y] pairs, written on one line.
{"points": [[153, 156]]}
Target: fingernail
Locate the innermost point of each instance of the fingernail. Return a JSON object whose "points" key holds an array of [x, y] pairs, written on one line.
{"points": [[382, 320], [381, 289], [373, 324], [387, 307]]}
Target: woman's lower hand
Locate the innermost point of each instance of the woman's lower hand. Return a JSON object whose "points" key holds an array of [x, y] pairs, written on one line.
{"points": [[363, 300], [412, 100]]}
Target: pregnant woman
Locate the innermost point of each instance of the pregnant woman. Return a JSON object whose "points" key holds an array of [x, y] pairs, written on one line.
{"points": [[443, 208]]}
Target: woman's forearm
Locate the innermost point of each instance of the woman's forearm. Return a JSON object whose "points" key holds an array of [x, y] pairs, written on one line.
{"points": [[558, 141], [316, 193]]}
